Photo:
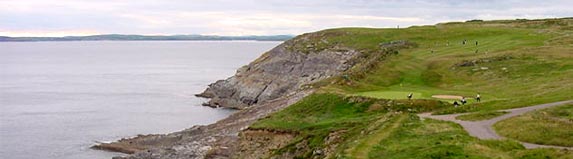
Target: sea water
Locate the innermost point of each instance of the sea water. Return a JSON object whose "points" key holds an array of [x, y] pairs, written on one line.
{"points": [[59, 98]]}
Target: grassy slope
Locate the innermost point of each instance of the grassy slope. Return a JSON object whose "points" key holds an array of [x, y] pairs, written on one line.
{"points": [[538, 71], [438, 139], [553, 126], [318, 115], [371, 128], [368, 142]]}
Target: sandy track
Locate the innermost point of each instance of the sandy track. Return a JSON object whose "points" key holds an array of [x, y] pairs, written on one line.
{"points": [[484, 129], [447, 96]]}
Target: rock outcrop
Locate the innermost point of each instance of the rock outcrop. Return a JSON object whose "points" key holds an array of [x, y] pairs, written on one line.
{"points": [[280, 71], [277, 79], [218, 140], [255, 144]]}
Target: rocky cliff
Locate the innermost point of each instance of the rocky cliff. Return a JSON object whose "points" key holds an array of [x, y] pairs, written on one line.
{"points": [[277, 79], [280, 71]]}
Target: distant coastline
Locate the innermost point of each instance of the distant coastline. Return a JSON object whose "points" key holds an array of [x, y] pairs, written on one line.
{"points": [[122, 37]]}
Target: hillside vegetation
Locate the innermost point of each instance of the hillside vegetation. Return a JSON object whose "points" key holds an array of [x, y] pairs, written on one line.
{"points": [[514, 64], [364, 113], [553, 126]]}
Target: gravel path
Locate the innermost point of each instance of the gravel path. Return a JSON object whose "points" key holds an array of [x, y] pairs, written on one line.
{"points": [[484, 129]]}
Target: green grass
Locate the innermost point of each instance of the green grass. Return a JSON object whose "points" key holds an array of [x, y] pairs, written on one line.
{"points": [[391, 94], [367, 142], [379, 128], [481, 115], [438, 139], [552, 126], [518, 63], [318, 115], [537, 70]]}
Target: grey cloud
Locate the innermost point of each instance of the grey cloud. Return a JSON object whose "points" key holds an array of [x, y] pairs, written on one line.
{"points": [[256, 16]]}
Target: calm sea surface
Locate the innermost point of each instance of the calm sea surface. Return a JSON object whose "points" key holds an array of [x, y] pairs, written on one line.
{"points": [[59, 98]]}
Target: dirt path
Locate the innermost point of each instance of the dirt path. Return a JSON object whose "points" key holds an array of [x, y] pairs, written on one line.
{"points": [[361, 150], [484, 129]]}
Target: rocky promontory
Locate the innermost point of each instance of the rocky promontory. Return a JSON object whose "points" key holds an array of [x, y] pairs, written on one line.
{"points": [[277, 79], [280, 71]]}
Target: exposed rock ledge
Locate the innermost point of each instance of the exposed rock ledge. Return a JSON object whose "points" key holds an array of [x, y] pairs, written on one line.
{"points": [[217, 140], [278, 72]]}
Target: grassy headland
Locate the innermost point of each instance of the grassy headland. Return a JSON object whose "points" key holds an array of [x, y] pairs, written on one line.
{"points": [[364, 112]]}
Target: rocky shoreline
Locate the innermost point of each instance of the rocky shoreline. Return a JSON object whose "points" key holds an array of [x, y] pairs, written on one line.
{"points": [[277, 79], [216, 140]]}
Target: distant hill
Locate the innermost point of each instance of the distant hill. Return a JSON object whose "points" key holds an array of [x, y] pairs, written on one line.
{"points": [[121, 37]]}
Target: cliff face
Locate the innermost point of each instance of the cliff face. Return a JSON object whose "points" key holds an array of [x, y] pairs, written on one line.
{"points": [[281, 71], [269, 84]]}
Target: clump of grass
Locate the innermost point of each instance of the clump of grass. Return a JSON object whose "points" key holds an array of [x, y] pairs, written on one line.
{"points": [[552, 126], [481, 115]]}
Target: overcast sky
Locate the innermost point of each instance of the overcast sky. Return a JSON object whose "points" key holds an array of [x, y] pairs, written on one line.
{"points": [[251, 17]]}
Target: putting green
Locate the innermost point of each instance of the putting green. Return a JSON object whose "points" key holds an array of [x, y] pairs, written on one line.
{"points": [[390, 94], [404, 95]]}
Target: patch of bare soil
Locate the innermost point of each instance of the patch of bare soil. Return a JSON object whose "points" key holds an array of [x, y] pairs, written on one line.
{"points": [[447, 96]]}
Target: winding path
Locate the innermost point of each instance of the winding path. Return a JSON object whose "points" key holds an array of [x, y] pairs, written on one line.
{"points": [[484, 129]]}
